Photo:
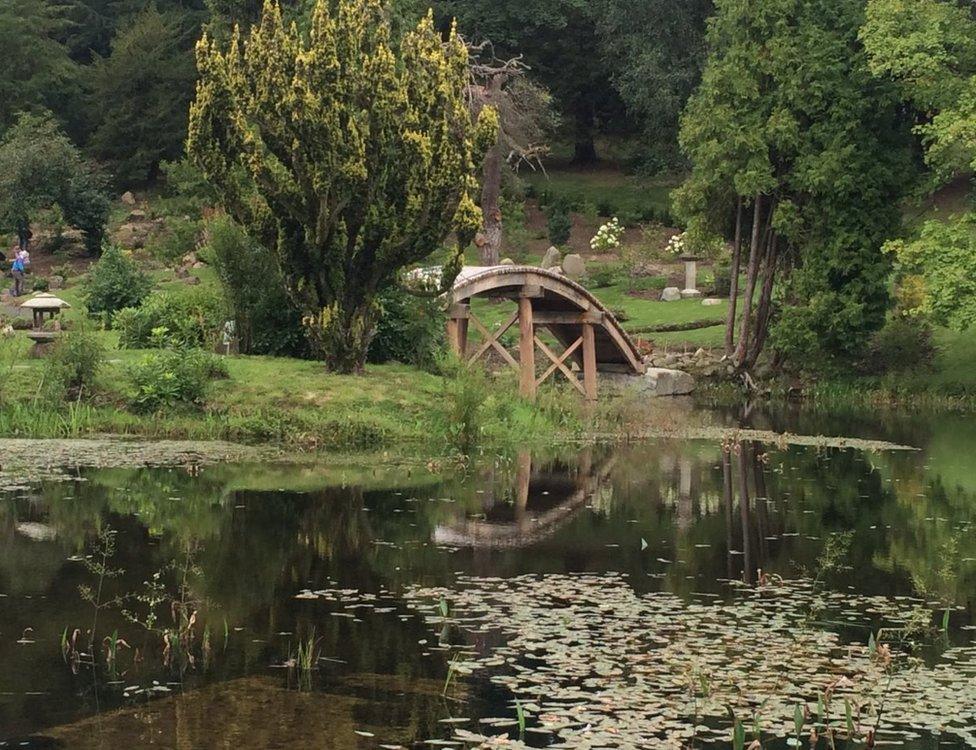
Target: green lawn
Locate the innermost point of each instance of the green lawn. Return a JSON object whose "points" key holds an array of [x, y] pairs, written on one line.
{"points": [[627, 195]]}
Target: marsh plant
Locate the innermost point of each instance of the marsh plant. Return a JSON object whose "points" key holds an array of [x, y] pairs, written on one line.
{"points": [[99, 564], [171, 612], [305, 659]]}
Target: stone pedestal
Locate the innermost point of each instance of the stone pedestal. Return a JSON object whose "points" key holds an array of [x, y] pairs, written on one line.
{"points": [[691, 279]]}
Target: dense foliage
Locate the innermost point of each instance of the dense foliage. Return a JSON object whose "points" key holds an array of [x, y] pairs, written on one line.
{"points": [[73, 364], [928, 48], [266, 320], [188, 317], [796, 145], [173, 379], [40, 168]]}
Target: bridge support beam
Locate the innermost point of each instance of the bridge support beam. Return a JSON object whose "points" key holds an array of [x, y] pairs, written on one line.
{"points": [[527, 386], [457, 329], [589, 362]]}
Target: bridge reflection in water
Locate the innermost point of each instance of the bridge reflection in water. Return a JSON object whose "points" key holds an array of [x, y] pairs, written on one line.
{"points": [[685, 491], [545, 499]]}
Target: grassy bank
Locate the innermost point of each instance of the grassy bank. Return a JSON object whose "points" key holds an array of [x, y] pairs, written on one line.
{"points": [[298, 404]]}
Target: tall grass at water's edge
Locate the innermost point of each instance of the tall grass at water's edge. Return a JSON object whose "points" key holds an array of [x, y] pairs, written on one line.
{"points": [[470, 415]]}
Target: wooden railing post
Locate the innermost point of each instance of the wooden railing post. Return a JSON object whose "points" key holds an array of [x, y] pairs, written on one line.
{"points": [[589, 362], [526, 348]]}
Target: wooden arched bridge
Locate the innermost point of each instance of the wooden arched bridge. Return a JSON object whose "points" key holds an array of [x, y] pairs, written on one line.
{"points": [[585, 330]]}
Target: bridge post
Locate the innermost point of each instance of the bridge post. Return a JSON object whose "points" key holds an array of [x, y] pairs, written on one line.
{"points": [[526, 348], [457, 329], [589, 362]]}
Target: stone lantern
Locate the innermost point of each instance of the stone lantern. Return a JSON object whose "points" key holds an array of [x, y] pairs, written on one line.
{"points": [[42, 305]]}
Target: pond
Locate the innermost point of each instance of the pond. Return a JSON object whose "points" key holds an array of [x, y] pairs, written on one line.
{"points": [[635, 596]]}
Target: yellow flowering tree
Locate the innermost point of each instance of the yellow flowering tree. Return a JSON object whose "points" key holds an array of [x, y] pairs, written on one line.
{"points": [[344, 156]]}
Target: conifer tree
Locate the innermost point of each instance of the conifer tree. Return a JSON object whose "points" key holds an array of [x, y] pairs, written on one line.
{"points": [[346, 157]]}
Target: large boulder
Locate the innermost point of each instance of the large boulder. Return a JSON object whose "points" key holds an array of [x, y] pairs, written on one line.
{"points": [[552, 259], [711, 302], [506, 262], [671, 294], [690, 293], [656, 382], [573, 266], [128, 198]]}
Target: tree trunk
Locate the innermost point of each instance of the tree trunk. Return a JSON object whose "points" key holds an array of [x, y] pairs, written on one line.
{"points": [[754, 251], [344, 336], [490, 241], [584, 150], [734, 281], [765, 301]]}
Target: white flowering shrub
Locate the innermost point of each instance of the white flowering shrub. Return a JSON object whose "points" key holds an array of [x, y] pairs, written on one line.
{"points": [[676, 245], [424, 280], [607, 237]]}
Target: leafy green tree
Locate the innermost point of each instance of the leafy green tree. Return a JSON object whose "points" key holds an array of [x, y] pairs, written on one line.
{"points": [[654, 51], [943, 256], [928, 48], [140, 94], [345, 157], [41, 168], [36, 72], [790, 134]]}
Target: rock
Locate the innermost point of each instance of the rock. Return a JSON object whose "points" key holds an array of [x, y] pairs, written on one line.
{"points": [[128, 198], [711, 302], [690, 294], [182, 272], [552, 259], [132, 236], [191, 280], [56, 282], [506, 262], [199, 264], [657, 382], [573, 266], [137, 215], [671, 294]]}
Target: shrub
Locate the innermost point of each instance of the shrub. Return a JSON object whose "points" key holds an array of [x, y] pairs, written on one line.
{"points": [[74, 364], [600, 277], [171, 379], [902, 344], [410, 330], [186, 318], [558, 222], [607, 237], [114, 283], [267, 321], [466, 392], [722, 285], [40, 284], [605, 208]]}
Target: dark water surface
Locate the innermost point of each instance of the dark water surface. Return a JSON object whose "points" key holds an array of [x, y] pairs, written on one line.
{"points": [[680, 561]]}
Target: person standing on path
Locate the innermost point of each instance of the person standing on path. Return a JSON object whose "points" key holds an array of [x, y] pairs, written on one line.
{"points": [[17, 271]]}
